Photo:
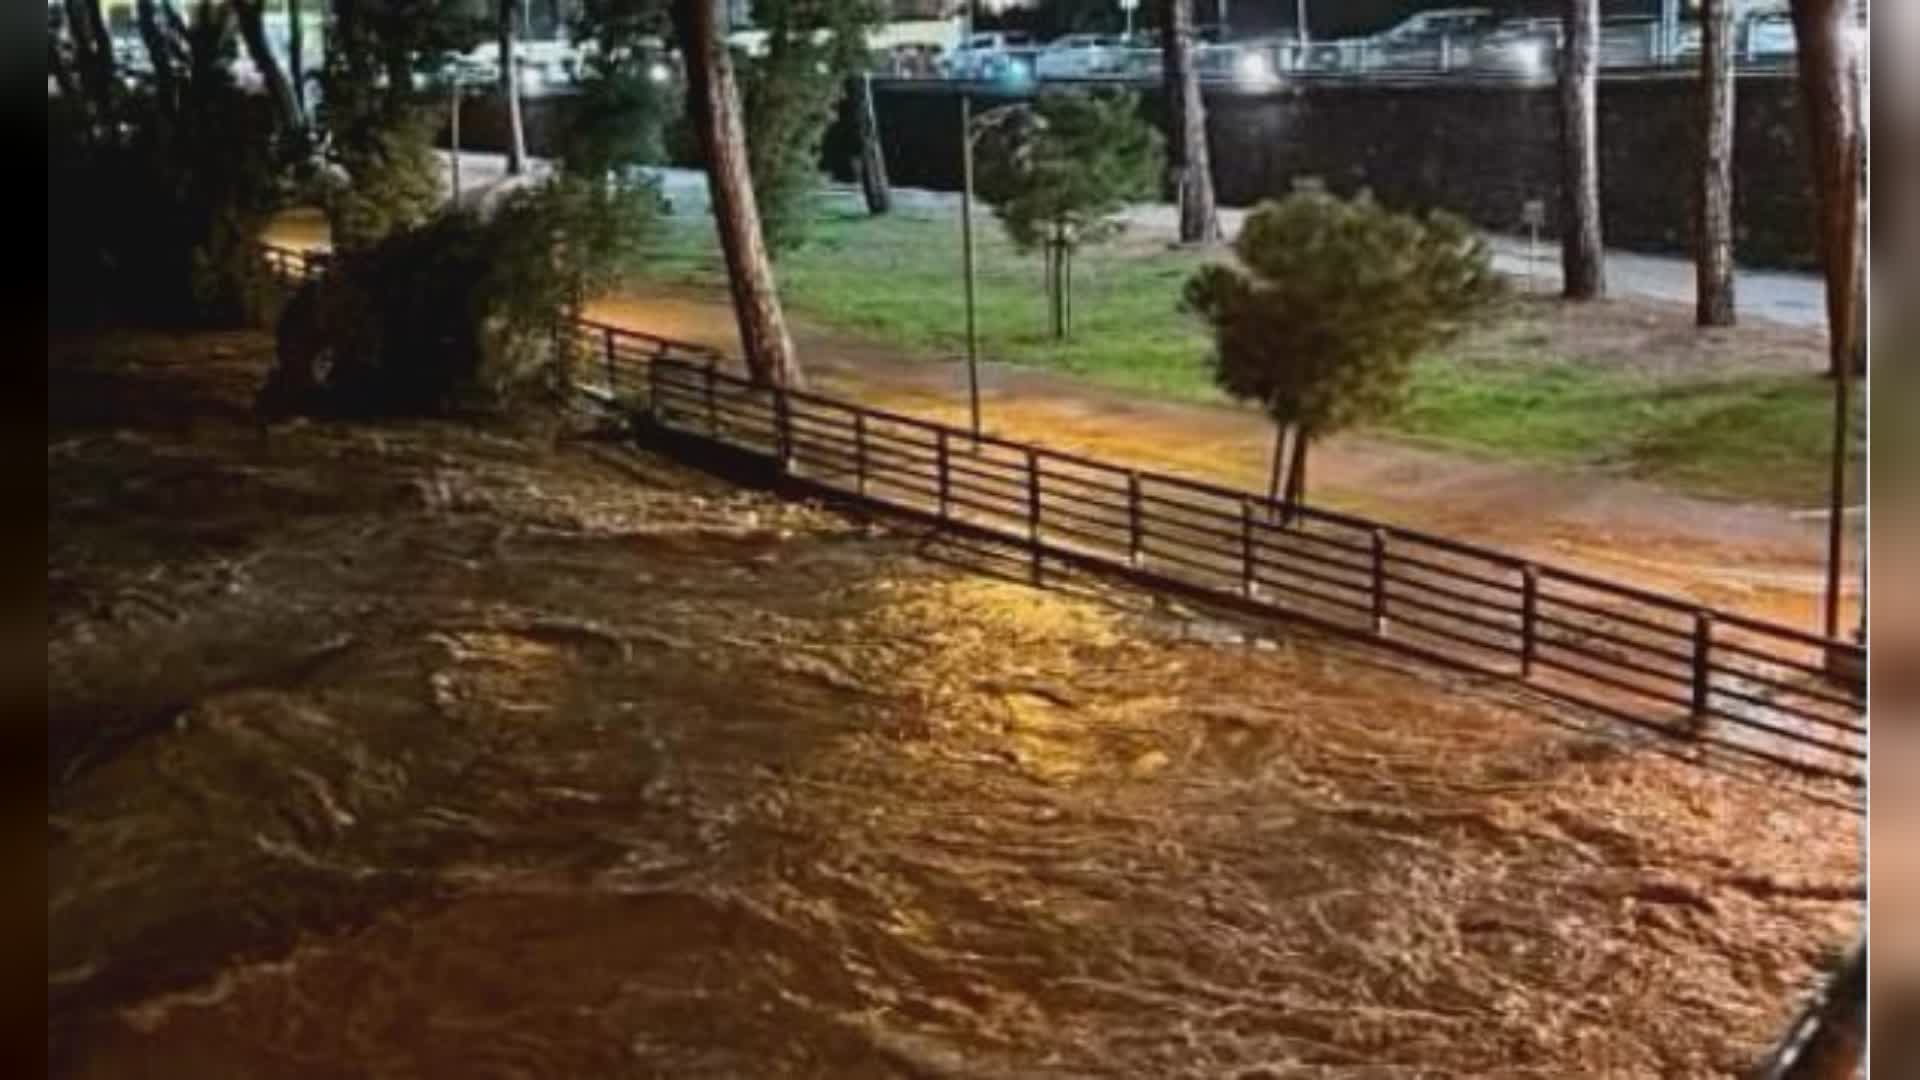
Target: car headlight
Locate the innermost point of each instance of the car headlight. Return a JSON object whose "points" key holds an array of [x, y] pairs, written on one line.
{"points": [[1530, 57], [1253, 69]]}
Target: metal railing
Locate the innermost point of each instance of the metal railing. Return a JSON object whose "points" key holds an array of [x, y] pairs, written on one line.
{"points": [[1713, 678], [1707, 678]]}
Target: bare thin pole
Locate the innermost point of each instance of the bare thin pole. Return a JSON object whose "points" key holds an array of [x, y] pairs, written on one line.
{"points": [[453, 144], [966, 258]]}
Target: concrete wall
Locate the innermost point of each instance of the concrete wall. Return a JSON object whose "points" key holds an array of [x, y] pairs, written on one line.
{"points": [[1478, 149]]}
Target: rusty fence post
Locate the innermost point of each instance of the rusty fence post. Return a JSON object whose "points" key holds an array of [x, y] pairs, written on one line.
{"points": [[1529, 615], [607, 352], [1702, 669], [1033, 510], [941, 464], [1136, 533], [1379, 581], [860, 453], [1246, 547]]}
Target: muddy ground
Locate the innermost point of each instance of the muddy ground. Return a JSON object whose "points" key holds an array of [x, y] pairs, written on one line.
{"points": [[484, 749]]}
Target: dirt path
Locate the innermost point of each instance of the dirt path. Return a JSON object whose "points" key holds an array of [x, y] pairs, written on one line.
{"points": [[1763, 560], [1758, 559]]}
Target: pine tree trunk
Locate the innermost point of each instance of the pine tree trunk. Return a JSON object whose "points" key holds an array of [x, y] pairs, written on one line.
{"points": [[296, 57], [251, 16], [62, 74], [714, 99], [1066, 292], [873, 156], [1192, 171], [1829, 92], [1713, 234], [1297, 473], [510, 91], [1277, 466], [1581, 252], [159, 53], [399, 65], [93, 55]]}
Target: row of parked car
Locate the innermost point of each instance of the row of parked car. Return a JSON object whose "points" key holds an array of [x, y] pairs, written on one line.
{"points": [[1456, 39]]}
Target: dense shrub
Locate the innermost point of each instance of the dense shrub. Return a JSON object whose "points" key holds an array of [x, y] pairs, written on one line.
{"points": [[460, 312]]}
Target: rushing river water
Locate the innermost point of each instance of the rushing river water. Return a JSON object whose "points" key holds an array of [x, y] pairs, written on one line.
{"points": [[418, 750]]}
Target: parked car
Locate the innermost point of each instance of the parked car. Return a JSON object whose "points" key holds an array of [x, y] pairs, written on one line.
{"points": [[1438, 40], [1080, 56], [1251, 64], [911, 61], [988, 56], [1530, 48]]}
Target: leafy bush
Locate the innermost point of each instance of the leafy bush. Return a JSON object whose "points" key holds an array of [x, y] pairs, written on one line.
{"points": [[1328, 306], [1058, 172], [460, 312], [384, 175], [622, 112], [789, 101], [790, 96]]}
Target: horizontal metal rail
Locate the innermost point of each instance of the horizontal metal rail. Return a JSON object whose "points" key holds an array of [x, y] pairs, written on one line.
{"points": [[1619, 649]]}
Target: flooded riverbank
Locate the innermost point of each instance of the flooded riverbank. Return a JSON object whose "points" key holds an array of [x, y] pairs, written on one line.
{"points": [[429, 749]]}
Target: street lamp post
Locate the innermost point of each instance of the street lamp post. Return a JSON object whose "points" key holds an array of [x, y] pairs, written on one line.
{"points": [[966, 259], [453, 139], [966, 234]]}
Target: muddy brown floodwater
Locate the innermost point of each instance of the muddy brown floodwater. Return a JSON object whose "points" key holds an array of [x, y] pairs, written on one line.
{"points": [[424, 749]]}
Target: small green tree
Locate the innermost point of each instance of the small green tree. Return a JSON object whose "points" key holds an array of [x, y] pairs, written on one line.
{"points": [[790, 95], [384, 174], [1331, 301], [1058, 171], [623, 107]]}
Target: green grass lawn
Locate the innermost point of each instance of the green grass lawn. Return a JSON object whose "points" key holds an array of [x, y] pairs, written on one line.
{"points": [[1513, 390]]}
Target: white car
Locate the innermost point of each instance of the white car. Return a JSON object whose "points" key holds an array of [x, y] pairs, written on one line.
{"points": [[1081, 56]]}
